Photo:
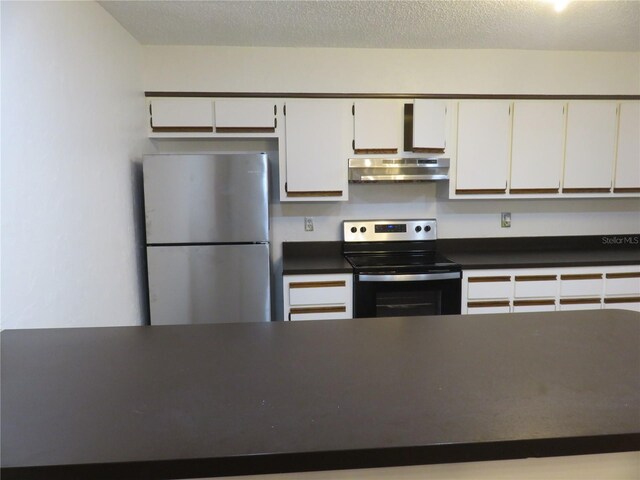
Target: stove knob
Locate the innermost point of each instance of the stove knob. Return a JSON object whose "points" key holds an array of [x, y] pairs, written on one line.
{"points": [[363, 229], [354, 229], [418, 228], [427, 228]]}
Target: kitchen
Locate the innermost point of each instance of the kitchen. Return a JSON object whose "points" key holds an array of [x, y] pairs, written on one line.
{"points": [[74, 231]]}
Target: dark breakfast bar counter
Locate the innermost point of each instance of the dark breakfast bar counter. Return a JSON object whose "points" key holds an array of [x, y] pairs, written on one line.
{"points": [[232, 399]]}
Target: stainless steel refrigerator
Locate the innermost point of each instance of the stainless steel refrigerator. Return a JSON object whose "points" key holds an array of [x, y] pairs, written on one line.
{"points": [[207, 225]]}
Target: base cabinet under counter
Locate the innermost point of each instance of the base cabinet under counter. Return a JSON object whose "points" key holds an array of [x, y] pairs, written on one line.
{"points": [[550, 289], [318, 297]]}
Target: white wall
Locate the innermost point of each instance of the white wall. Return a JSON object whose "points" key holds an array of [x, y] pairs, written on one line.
{"points": [[72, 130], [234, 69]]}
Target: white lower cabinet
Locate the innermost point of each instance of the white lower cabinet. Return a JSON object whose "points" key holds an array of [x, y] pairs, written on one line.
{"points": [[550, 289], [318, 297]]}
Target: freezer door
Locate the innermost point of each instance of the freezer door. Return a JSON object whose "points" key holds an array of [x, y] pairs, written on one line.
{"points": [[200, 198], [209, 284]]}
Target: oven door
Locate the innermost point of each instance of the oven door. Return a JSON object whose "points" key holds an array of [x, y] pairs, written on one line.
{"points": [[400, 295]]}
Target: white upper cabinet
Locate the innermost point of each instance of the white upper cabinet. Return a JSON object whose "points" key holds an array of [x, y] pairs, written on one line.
{"points": [[429, 121], [484, 141], [537, 146], [377, 126], [591, 144], [185, 114], [627, 178], [245, 116], [317, 147]]}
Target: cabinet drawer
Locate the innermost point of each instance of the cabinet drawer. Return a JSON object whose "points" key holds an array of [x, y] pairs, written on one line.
{"points": [[318, 292], [580, 304], [319, 313], [488, 307], [581, 285], [532, 286], [534, 305], [622, 283], [489, 287], [625, 303]]}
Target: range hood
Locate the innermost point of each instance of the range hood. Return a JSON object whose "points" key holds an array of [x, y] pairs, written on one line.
{"points": [[379, 170]]}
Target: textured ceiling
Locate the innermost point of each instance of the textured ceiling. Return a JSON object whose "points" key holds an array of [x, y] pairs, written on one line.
{"points": [[533, 25]]}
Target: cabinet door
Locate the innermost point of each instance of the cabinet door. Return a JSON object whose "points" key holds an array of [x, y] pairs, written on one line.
{"points": [[484, 140], [591, 142], [377, 126], [244, 115], [627, 178], [538, 146], [318, 142], [429, 120], [181, 114]]}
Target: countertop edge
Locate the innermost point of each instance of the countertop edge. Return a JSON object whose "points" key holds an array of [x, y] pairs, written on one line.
{"points": [[334, 460]]}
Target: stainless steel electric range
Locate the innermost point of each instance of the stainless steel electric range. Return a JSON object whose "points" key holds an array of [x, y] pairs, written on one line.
{"points": [[398, 271]]}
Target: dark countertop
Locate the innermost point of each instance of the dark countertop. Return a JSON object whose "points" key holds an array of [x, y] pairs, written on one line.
{"points": [[301, 258], [213, 400], [476, 253], [541, 252]]}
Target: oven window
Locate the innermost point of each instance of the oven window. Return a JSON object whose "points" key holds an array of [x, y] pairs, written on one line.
{"points": [[408, 303]]}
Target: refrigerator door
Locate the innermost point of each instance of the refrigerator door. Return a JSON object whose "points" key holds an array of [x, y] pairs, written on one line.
{"points": [[201, 198], [209, 284]]}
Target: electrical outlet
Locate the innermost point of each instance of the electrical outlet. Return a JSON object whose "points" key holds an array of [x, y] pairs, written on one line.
{"points": [[505, 220], [308, 224]]}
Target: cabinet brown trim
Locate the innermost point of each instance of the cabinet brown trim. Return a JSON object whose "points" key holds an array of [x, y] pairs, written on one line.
{"points": [[318, 284], [535, 278], [245, 130], [489, 279], [582, 276], [408, 96], [533, 190], [480, 191], [626, 190], [623, 275], [586, 190], [427, 150], [373, 151], [501, 303], [303, 310], [319, 193], [622, 300], [527, 303], [578, 301], [181, 129]]}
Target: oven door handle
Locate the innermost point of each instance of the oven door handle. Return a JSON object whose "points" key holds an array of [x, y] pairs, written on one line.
{"points": [[409, 278]]}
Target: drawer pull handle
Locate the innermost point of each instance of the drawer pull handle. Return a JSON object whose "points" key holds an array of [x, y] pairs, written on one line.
{"points": [[489, 279], [536, 278], [488, 304], [582, 276], [303, 310], [526, 303], [624, 275], [329, 193], [622, 300], [480, 191], [340, 283], [372, 151], [578, 301], [245, 129]]}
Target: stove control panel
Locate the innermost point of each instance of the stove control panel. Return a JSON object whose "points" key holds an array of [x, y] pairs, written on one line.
{"points": [[389, 230]]}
